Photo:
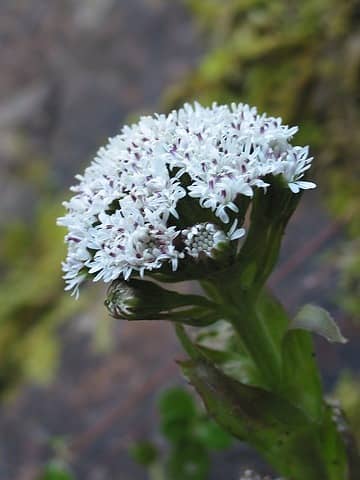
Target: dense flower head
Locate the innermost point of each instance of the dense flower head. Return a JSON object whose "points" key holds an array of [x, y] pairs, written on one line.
{"points": [[124, 216]]}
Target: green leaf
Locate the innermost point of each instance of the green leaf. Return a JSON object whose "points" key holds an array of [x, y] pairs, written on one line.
{"points": [[301, 382], [241, 409], [259, 323], [317, 320], [333, 447], [145, 453], [221, 345], [274, 316], [294, 444]]}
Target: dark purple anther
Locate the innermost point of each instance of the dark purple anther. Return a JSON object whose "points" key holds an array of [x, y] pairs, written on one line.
{"points": [[74, 239]]}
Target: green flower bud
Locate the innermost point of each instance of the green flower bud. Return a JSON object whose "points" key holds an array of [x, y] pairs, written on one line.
{"points": [[144, 300]]}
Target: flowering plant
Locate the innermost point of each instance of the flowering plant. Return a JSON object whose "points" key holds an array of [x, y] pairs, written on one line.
{"points": [[205, 194]]}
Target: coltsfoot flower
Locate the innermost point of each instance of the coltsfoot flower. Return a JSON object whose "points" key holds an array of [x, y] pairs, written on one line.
{"points": [[136, 206]]}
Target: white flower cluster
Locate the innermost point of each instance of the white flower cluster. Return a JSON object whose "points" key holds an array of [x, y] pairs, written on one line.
{"points": [[122, 218]]}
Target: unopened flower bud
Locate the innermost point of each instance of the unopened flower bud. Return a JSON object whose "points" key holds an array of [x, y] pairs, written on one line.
{"points": [[145, 300], [120, 300], [202, 239]]}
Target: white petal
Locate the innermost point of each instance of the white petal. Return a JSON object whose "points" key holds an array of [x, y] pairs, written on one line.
{"points": [[240, 232], [246, 190], [306, 185], [294, 187]]}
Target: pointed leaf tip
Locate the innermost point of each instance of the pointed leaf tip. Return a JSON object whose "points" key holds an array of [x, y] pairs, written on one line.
{"points": [[317, 320]]}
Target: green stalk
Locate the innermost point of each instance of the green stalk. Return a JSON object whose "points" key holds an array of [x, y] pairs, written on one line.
{"points": [[240, 310], [237, 290], [270, 215]]}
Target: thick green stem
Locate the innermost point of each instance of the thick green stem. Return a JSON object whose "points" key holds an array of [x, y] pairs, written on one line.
{"points": [[241, 312], [237, 290]]}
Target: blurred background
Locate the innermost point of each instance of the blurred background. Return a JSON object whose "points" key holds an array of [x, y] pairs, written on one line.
{"points": [[78, 389]]}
